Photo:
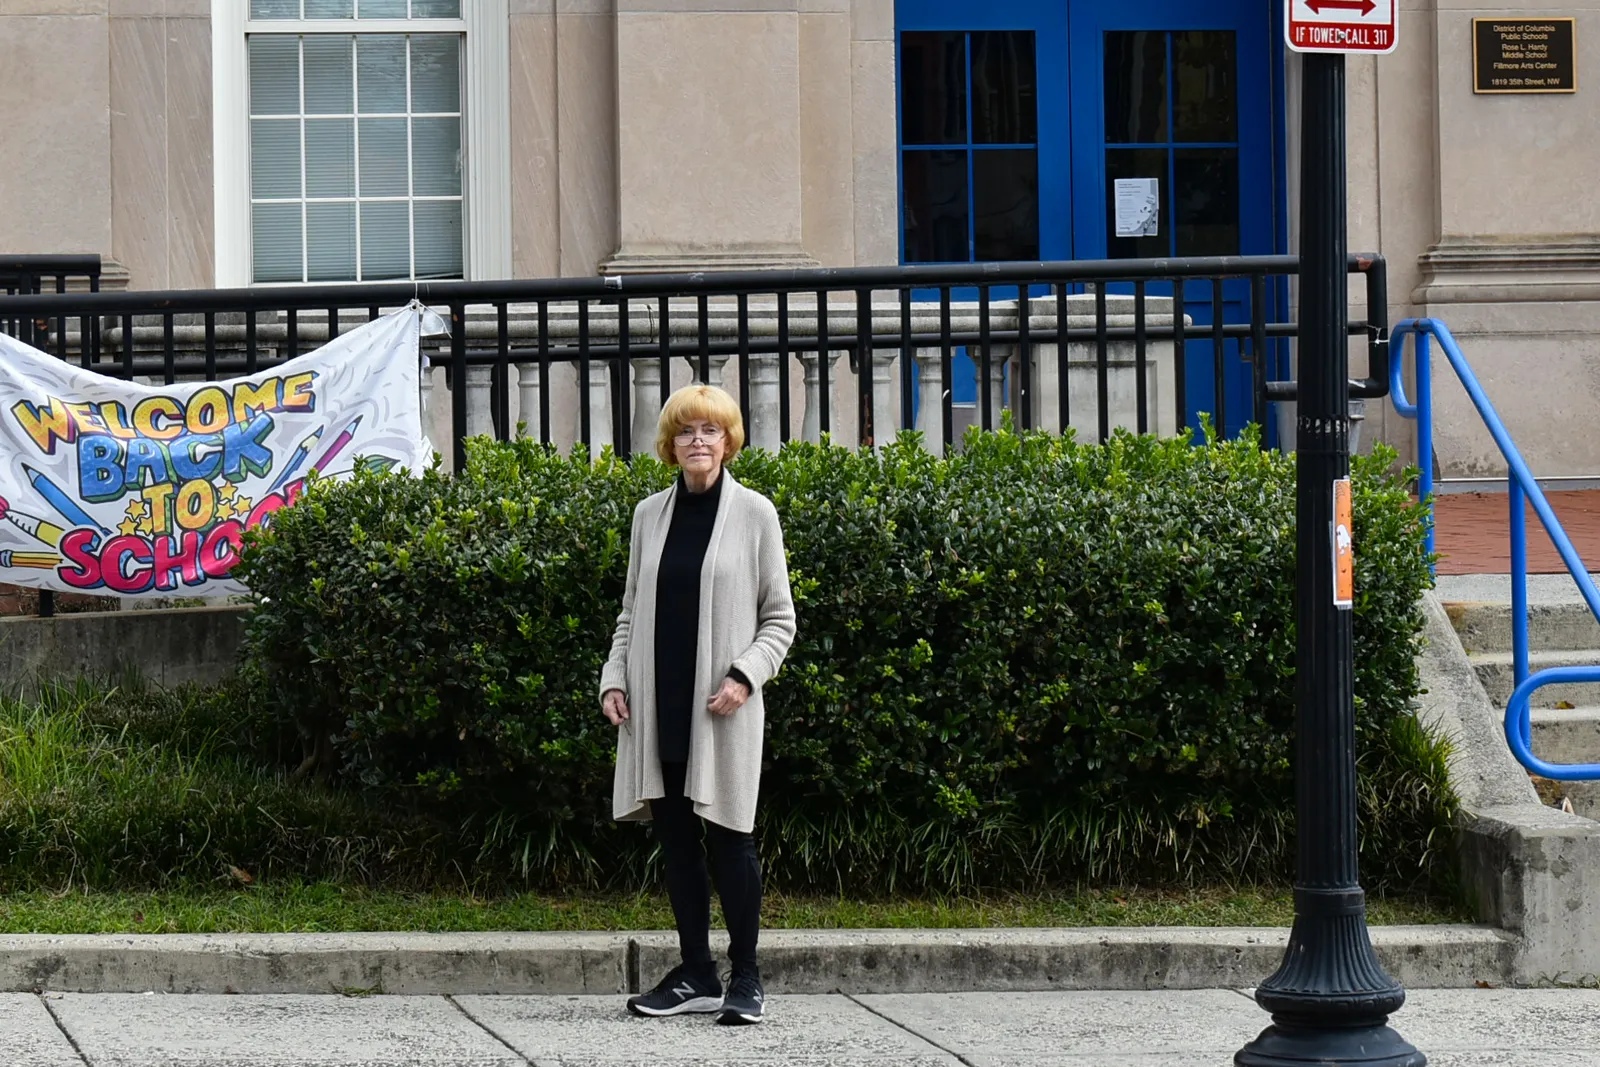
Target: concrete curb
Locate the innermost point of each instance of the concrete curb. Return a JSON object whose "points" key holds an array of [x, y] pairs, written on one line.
{"points": [[793, 961]]}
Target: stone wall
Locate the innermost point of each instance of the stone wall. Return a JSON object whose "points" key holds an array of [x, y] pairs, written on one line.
{"points": [[659, 134]]}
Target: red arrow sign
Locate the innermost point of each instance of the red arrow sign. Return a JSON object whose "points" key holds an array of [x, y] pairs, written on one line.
{"points": [[1366, 7]]}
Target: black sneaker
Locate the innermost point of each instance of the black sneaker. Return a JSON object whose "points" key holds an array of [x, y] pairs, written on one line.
{"points": [[744, 1002], [680, 992]]}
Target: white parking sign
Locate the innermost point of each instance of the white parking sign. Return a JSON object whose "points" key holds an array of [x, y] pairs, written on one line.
{"points": [[1341, 26]]}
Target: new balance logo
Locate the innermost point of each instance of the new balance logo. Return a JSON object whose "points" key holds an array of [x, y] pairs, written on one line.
{"points": [[685, 990]]}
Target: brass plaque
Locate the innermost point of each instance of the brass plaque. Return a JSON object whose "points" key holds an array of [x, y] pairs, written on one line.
{"points": [[1524, 56]]}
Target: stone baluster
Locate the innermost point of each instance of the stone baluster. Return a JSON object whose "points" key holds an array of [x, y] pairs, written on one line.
{"points": [[765, 415], [646, 402], [1045, 411], [930, 398], [999, 356], [434, 395], [528, 398], [599, 405], [480, 414], [721, 377], [885, 398], [811, 425]]}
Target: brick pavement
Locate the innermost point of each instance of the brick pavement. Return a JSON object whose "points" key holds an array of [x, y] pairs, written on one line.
{"points": [[1472, 532]]}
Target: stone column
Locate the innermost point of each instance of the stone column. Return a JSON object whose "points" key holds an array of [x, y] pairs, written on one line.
{"points": [[709, 156], [930, 398], [811, 425], [765, 414], [528, 398], [66, 83]]}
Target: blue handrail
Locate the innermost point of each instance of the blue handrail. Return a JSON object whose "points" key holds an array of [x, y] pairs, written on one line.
{"points": [[1521, 486]]}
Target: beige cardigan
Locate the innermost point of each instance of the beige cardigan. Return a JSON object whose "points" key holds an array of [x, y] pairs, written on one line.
{"points": [[746, 621]]}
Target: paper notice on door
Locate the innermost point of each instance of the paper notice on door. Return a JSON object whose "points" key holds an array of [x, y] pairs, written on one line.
{"points": [[1138, 203]]}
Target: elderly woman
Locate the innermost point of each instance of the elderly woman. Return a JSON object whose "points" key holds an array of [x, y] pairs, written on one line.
{"points": [[707, 618]]}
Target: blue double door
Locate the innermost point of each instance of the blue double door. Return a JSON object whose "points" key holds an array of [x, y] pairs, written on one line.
{"points": [[1021, 121]]}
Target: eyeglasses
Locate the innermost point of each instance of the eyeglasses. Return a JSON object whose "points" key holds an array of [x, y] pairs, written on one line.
{"points": [[710, 435]]}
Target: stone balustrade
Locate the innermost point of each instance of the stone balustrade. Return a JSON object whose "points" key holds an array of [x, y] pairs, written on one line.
{"points": [[806, 369]]}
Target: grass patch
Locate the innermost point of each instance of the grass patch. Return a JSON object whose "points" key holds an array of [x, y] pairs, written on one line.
{"points": [[135, 809], [136, 786], [327, 908]]}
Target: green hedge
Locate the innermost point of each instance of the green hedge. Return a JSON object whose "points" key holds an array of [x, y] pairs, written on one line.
{"points": [[1036, 660]]}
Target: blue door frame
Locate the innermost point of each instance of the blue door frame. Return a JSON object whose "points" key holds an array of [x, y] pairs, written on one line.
{"points": [[1072, 146]]}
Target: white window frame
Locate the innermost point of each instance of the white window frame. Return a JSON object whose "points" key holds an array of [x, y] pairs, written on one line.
{"points": [[486, 139]]}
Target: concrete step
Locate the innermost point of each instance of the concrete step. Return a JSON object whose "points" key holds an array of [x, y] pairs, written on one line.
{"points": [[1498, 675], [1566, 735], [1585, 796], [1486, 626]]}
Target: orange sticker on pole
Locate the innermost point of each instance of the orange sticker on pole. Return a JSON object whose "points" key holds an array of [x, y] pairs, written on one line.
{"points": [[1344, 558]]}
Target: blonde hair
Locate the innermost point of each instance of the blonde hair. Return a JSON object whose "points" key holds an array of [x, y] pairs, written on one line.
{"points": [[697, 403]]}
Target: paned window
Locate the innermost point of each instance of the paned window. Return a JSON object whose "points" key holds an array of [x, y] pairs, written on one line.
{"points": [[355, 140], [1171, 108], [969, 154]]}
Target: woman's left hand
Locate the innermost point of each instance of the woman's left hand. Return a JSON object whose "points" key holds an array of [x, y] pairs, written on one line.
{"points": [[729, 699]]}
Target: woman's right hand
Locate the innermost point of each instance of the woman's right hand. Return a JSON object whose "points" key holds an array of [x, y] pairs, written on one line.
{"points": [[615, 706]]}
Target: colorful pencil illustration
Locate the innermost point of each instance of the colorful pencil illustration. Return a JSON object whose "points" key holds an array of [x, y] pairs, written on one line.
{"points": [[298, 457], [39, 561], [344, 438], [61, 501], [38, 529]]}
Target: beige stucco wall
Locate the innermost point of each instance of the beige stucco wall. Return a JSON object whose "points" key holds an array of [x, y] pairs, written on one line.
{"points": [[661, 134], [1515, 268], [1483, 208], [563, 136], [55, 109], [107, 113], [648, 134]]}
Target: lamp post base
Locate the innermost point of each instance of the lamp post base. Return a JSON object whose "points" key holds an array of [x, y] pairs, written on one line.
{"points": [[1285, 1044]]}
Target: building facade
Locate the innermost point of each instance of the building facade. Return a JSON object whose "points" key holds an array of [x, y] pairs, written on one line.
{"points": [[201, 143]]}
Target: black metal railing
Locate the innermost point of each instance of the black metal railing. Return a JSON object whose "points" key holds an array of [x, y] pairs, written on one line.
{"points": [[1127, 359], [32, 275]]}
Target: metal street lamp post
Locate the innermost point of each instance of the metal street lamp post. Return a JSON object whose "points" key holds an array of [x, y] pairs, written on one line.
{"points": [[1330, 999]]}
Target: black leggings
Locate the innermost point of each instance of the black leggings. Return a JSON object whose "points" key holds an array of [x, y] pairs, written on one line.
{"points": [[738, 875]]}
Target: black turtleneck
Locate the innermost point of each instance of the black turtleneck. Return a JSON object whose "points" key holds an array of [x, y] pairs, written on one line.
{"points": [[678, 614]]}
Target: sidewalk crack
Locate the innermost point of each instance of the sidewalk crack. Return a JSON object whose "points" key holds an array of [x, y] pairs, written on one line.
{"points": [[63, 1028], [896, 1022], [479, 1023]]}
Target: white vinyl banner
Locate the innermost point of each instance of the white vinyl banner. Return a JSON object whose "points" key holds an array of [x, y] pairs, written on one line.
{"points": [[113, 487]]}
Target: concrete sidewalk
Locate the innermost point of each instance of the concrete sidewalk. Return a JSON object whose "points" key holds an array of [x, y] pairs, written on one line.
{"points": [[1455, 1028]]}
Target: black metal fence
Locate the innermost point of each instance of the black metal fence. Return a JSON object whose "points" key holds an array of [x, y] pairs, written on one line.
{"points": [[1084, 344], [31, 275]]}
